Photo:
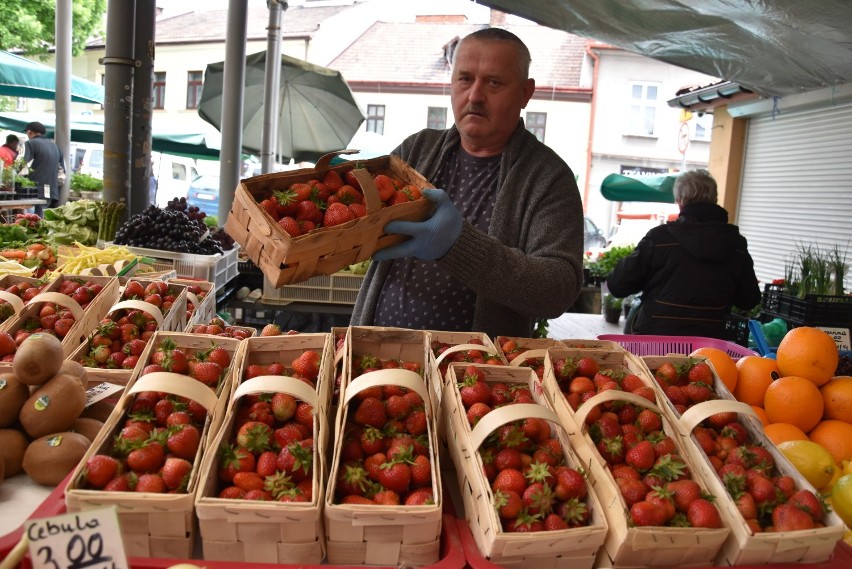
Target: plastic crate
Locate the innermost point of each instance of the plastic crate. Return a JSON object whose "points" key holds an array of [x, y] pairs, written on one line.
{"points": [[338, 288], [664, 345], [813, 310], [737, 328], [217, 269]]}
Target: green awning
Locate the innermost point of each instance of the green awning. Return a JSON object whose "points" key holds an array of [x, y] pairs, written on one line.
{"points": [[619, 188], [21, 77], [91, 129]]}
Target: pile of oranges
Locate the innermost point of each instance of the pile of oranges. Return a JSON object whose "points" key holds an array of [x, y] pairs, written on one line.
{"points": [[800, 402]]}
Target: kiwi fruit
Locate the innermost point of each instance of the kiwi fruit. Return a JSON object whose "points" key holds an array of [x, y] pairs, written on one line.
{"points": [[76, 369], [50, 458], [38, 358], [13, 444], [13, 394], [53, 407], [87, 427]]}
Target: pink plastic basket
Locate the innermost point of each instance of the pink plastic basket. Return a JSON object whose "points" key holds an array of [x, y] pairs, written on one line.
{"points": [[663, 345]]}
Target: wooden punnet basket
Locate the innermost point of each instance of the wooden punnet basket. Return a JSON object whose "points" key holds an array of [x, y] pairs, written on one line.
{"points": [[628, 546], [458, 342], [269, 532], [536, 346], [287, 260], [376, 534], [570, 548], [744, 547], [16, 302], [155, 525], [205, 309]]}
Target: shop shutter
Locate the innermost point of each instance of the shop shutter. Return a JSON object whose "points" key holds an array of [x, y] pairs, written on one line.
{"points": [[797, 186]]}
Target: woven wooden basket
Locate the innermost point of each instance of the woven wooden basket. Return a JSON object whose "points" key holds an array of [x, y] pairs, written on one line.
{"points": [[626, 546], [744, 547], [287, 260], [269, 532], [569, 548], [14, 300], [205, 309], [375, 534], [154, 525], [535, 345]]}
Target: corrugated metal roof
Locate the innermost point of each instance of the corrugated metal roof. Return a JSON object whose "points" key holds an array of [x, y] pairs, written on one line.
{"points": [[413, 53]]}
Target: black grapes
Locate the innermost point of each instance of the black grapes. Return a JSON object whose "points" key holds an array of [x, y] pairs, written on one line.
{"points": [[168, 230]]}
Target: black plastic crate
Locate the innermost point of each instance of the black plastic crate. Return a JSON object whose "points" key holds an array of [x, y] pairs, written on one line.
{"points": [[813, 310], [736, 327], [26, 193]]}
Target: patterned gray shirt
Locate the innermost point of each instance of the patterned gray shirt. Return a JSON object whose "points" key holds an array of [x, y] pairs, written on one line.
{"points": [[416, 294]]}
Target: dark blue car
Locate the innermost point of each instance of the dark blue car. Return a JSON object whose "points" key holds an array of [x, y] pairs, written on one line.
{"points": [[203, 193]]}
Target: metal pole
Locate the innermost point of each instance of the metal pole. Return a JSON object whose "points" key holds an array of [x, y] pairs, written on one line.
{"points": [[271, 86], [143, 80], [62, 132], [234, 79], [118, 98]]}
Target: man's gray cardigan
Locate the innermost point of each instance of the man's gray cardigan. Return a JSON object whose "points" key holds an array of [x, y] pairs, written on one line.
{"points": [[529, 264]]}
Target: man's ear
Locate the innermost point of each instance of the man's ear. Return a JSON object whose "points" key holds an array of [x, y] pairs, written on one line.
{"points": [[529, 89]]}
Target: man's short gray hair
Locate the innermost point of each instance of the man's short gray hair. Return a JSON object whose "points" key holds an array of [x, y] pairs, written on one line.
{"points": [[695, 186], [501, 35]]}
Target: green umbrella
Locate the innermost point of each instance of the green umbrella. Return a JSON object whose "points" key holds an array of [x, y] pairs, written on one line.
{"points": [[91, 129], [318, 113], [21, 77], [618, 188]]}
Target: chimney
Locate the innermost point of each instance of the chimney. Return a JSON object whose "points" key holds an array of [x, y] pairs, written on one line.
{"points": [[497, 18]]}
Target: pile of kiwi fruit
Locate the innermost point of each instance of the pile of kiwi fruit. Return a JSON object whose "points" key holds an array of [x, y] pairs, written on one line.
{"points": [[44, 430]]}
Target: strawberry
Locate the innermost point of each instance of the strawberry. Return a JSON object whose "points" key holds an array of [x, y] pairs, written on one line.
{"points": [[337, 214], [476, 412], [283, 406], [332, 180], [700, 372], [385, 187], [358, 209], [207, 373], [420, 497], [352, 479], [746, 506], [371, 412], [397, 406], [807, 501], [183, 441], [175, 473], [308, 211], [290, 226], [100, 469], [296, 460], [703, 514], [254, 436], [148, 458], [553, 522], [508, 504], [641, 456], [666, 374], [684, 492], [415, 423], [587, 366], [150, 483], [509, 479], [649, 421], [633, 491], [267, 463], [232, 493], [570, 484], [248, 481], [307, 365], [697, 392], [386, 498], [421, 472], [220, 356], [395, 476], [122, 483], [646, 514], [271, 330]]}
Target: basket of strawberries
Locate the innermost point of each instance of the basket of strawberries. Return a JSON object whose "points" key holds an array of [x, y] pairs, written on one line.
{"points": [[317, 221]]}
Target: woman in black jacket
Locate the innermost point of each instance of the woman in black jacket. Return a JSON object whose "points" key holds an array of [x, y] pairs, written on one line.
{"points": [[689, 271]]}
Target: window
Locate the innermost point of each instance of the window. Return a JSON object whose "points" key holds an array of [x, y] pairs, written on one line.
{"points": [[376, 118], [178, 171], [194, 82], [643, 108], [437, 118], [536, 123], [702, 125], [158, 92]]}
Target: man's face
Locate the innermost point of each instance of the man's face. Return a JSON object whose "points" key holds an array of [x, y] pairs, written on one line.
{"points": [[488, 94], [13, 144]]}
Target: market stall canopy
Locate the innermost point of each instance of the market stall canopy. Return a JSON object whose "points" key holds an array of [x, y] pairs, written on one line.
{"points": [[619, 188], [317, 110], [91, 129], [774, 48], [21, 77]]}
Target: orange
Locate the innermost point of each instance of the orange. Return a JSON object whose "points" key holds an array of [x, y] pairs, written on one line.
{"points": [[794, 400], [780, 432], [837, 395], [761, 414], [754, 374], [835, 437], [808, 352], [725, 366]]}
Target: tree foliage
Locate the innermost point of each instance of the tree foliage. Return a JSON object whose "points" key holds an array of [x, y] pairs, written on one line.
{"points": [[30, 25]]}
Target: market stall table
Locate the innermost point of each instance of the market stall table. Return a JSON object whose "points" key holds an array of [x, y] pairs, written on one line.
{"points": [[14, 205]]}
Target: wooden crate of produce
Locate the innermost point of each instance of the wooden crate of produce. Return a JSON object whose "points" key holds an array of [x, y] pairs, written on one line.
{"points": [[16, 301]]}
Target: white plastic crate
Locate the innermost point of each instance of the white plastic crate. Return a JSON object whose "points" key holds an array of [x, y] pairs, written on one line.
{"points": [[338, 288], [217, 269]]}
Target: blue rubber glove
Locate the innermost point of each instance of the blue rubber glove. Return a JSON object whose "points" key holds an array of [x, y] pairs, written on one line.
{"points": [[430, 239]]}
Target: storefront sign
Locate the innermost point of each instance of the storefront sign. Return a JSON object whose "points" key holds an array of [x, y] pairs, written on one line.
{"points": [[840, 335], [82, 540]]}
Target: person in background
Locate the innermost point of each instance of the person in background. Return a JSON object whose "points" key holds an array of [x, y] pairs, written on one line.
{"points": [[9, 151], [504, 244], [690, 271], [46, 160]]}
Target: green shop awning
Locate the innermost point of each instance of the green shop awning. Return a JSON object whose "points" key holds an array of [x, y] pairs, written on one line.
{"points": [[21, 77], [619, 188]]}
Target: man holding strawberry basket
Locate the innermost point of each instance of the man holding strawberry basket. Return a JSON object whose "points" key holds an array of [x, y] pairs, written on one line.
{"points": [[503, 247]]}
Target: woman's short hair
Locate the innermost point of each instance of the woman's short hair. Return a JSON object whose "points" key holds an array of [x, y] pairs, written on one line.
{"points": [[695, 186]]}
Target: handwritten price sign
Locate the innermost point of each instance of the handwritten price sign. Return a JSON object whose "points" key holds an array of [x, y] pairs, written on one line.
{"points": [[83, 540]]}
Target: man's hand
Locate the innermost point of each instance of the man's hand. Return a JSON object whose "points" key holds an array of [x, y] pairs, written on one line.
{"points": [[430, 239]]}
